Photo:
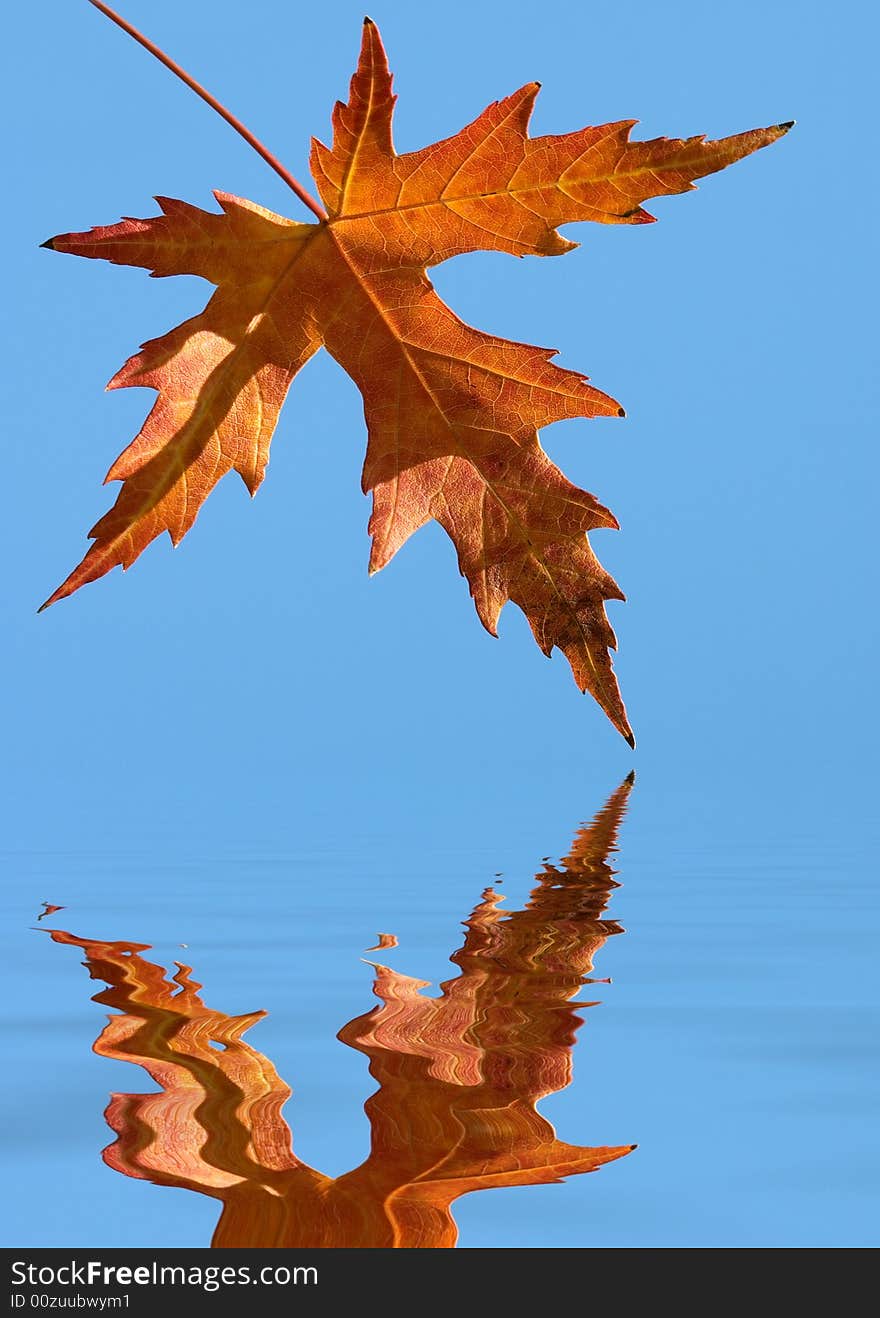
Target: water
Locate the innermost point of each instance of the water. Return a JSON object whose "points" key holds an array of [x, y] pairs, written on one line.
{"points": [[733, 1045]]}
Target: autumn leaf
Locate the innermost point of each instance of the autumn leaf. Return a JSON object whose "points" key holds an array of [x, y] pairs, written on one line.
{"points": [[452, 413]]}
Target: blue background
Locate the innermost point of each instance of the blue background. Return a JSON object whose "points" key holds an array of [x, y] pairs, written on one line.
{"points": [[249, 746]]}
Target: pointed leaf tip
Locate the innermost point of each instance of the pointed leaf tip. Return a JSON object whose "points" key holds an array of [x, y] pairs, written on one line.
{"points": [[785, 127], [630, 739], [621, 412], [50, 243], [630, 778]]}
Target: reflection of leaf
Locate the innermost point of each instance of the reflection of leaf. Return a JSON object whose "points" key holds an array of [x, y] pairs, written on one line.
{"points": [[453, 413], [458, 1076], [217, 1121]]}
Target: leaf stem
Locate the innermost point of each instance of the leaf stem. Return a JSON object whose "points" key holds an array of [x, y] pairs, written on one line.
{"points": [[239, 127]]}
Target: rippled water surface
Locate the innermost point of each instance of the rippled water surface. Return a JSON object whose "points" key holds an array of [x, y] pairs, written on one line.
{"points": [[733, 1045]]}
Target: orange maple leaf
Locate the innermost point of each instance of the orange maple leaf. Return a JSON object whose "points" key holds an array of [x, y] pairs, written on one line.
{"points": [[453, 414]]}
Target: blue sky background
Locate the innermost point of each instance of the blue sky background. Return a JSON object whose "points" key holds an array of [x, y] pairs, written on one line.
{"points": [[250, 733]]}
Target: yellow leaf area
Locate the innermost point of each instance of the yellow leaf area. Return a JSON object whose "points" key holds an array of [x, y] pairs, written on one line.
{"points": [[458, 1077], [453, 414]]}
